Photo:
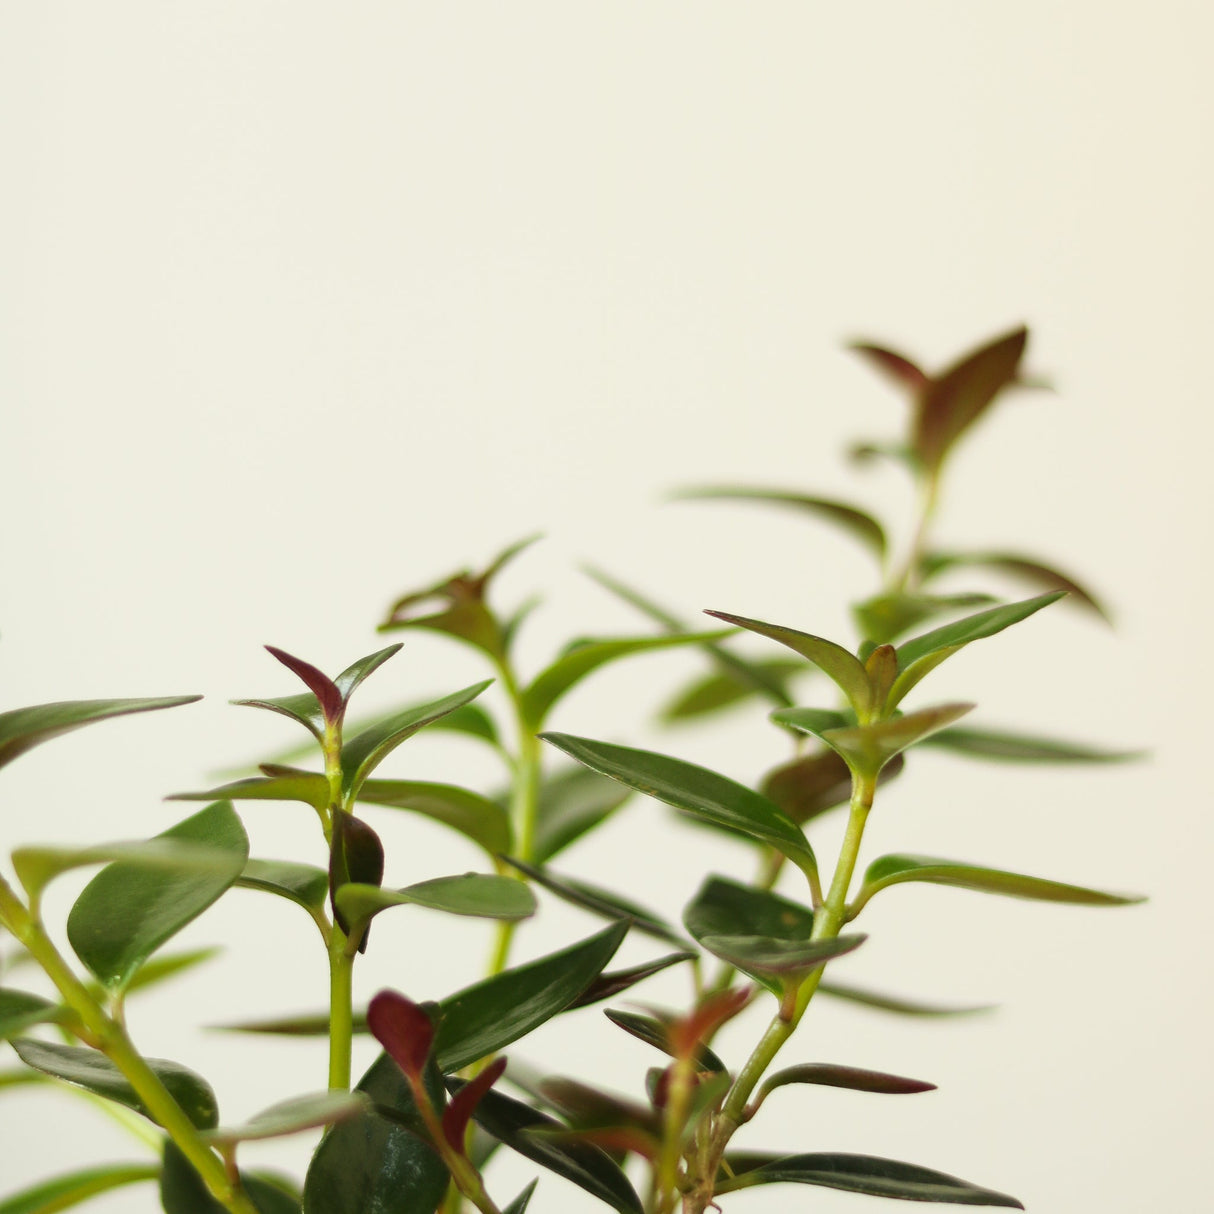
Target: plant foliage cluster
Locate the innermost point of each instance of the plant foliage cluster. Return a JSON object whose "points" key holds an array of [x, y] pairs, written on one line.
{"points": [[415, 1133]]}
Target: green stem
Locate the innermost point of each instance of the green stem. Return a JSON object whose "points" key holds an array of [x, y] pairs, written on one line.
{"points": [[908, 577], [678, 1104], [111, 1038], [341, 1009]]}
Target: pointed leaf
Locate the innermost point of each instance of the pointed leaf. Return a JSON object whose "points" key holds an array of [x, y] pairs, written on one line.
{"points": [[364, 752], [896, 869], [476, 894], [371, 1164], [855, 1079], [348, 681], [896, 1003], [599, 901], [723, 907], [723, 689], [299, 1113], [1023, 568], [355, 856], [168, 965], [459, 1112], [842, 667], [93, 1071], [306, 1024], [866, 1174], [1010, 747], [772, 956], [695, 790], [182, 1190], [63, 1192], [477, 818], [572, 801], [551, 684], [584, 1106], [482, 1018], [518, 1205], [285, 784], [887, 616], [611, 983], [905, 373], [859, 524], [316, 681], [303, 708], [22, 729], [127, 911], [653, 1032], [304, 884], [814, 783], [20, 1010], [405, 1029], [588, 1167]]}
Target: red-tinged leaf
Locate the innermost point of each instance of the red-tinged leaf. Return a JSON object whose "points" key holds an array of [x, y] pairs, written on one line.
{"points": [[656, 1032], [607, 985], [356, 858], [710, 1014], [316, 681], [458, 1113], [853, 1078], [897, 367], [405, 1029]]}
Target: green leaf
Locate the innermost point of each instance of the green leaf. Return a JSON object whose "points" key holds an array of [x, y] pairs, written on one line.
{"points": [[515, 1124], [354, 674], [772, 956], [372, 1165], [725, 688], [722, 907], [20, 1010], [63, 1192], [182, 1190], [857, 523], [867, 748], [896, 1003], [361, 754], [951, 402], [356, 855], [923, 654], [279, 784], [552, 683], [572, 802], [486, 897], [303, 708], [695, 790], [853, 1078], [518, 1205], [477, 818], [1009, 747], [887, 616], [93, 1071], [867, 1174], [482, 1018], [22, 729], [610, 983], [307, 1024], [814, 783], [304, 884], [896, 869], [127, 911], [602, 902], [307, 1112], [1023, 568], [842, 667], [168, 965], [653, 1032]]}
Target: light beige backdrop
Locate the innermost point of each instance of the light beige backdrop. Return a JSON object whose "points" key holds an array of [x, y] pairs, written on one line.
{"points": [[306, 304]]}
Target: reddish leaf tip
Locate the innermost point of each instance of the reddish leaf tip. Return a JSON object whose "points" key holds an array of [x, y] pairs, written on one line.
{"points": [[458, 1113], [316, 681], [404, 1029]]}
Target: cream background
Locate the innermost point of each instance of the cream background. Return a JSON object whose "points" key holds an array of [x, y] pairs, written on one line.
{"points": [[305, 305]]}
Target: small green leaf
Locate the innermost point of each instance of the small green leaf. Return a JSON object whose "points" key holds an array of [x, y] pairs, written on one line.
{"points": [[855, 1079], [695, 790], [867, 748], [572, 801], [361, 754], [552, 683], [857, 523], [771, 956], [1009, 747], [304, 884], [93, 1071], [303, 708], [279, 784], [348, 681], [477, 818], [299, 1113], [63, 1192], [518, 1205], [127, 911], [866, 1174], [486, 897], [1023, 568], [182, 1190], [610, 983], [482, 1018], [20, 1010], [168, 965], [923, 654], [842, 667], [887, 616], [22, 729], [896, 869], [712, 692], [516, 1124], [600, 902], [653, 1032], [896, 1003]]}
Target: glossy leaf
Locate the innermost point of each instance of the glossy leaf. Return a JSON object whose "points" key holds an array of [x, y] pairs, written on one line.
{"points": [[855, 1079], [723, 689], [63, 1192], [897, 1004], [896, 869], [356, 856], [598, 901], [611, 982], [867, 748], [554, 682], [93, 1071], [695, 790], [350, 679], [20, 1010], [405, 1029], [182, 1190], [867, 1174], [857, 523], [520, 1203], [127, 911], [572, 802], [653, 1032], [886, 617], [303, 708], [279, 784], [485, 1017], [304, 884], [588, 1167], [924, 653], [361, 754], [1008, 747], [22, 729], [723, 907], [477, 818], [328, 698], [1022, 568], [463, 1103], [844, 669], [293, 1116], [772, 956], [479, 895], [371, 1163]]}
